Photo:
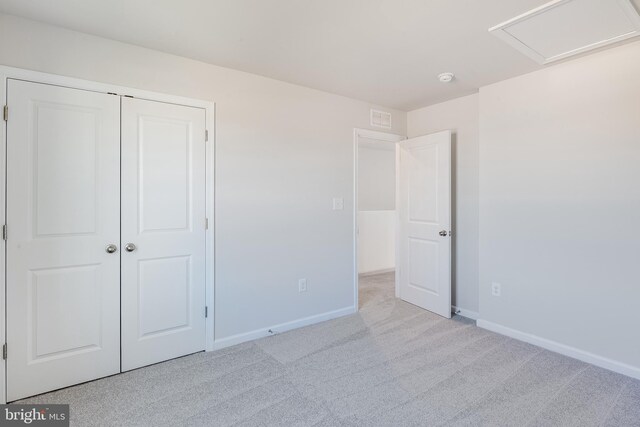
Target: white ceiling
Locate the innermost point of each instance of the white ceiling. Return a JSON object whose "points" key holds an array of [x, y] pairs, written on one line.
{"points": [[387, 52]]}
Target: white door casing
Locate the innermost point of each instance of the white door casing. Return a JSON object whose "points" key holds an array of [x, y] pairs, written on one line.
{"points": [[63, 294], [424, 221], [163, 215]]}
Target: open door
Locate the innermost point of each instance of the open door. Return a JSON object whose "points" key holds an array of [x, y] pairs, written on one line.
{"points": [[424, 222]]}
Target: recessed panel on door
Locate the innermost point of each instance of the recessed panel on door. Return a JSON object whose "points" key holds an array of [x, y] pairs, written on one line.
{"points": [[423, 257], [422, 167], [164, 290], [163, 231], [424, 210], [63, 290]]}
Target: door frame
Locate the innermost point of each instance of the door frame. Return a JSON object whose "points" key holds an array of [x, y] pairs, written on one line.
{"points": [[74, 83], [380, 136]]}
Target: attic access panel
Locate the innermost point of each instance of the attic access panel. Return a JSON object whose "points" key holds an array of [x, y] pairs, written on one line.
{"points": [[563, 28]]}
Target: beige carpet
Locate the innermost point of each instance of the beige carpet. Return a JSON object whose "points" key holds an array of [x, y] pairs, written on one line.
{"points": [[392, 364]]}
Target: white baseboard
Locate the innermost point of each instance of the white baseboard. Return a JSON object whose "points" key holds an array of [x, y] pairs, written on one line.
{"points": [[282, 327], [473, 315], [585, 356], [373, 273]]}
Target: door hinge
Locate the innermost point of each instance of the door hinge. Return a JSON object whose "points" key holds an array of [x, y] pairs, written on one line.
{"points": [[206, 223], [4, 232], [206, 135], [4, 351], [5, 113], [206, 311]]}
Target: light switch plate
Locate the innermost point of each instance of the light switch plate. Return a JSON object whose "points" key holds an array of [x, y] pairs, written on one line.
{"points": [[338, 203]]}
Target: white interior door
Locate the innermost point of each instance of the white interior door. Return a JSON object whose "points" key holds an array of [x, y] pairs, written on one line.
{"points": [[424, 210], [163, 231], [63, 210]]}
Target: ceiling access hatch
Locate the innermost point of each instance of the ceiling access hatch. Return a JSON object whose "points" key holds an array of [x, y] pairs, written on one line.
{"points": [[563, 28]]}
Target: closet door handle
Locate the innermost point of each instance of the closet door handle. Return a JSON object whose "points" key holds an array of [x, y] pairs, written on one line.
{"points": [[111, 248], [130, 247]]}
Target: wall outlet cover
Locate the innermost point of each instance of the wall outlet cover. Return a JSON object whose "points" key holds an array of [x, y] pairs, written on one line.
{"points": [[496, 289]]}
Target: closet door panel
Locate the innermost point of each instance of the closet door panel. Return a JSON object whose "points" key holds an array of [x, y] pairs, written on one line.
{"points": [[63, 211], [163, 231]]}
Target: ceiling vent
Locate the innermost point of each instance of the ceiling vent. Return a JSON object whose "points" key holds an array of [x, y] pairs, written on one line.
{"points": [[380, 119], [564, 28]]}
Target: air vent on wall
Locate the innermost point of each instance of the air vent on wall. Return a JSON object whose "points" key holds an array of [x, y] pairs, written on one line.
{"points": [[380, 119], [563, 28]]}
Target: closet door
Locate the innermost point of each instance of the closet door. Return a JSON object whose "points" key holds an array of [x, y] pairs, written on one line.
{"points": [[163, 231], [63, 218]]}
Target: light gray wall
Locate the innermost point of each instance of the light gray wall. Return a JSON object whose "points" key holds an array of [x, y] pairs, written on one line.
{"points": [[560, 203], [461, 116], [376, 241], [376, 175], [282, 153]]}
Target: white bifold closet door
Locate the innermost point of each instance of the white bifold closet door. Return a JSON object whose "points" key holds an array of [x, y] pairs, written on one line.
{"points": [[63, 211], [106, 235], [163, 231]]}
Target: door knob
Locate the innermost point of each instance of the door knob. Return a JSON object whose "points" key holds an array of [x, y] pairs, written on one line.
{"points": [[443, 233], [130, 247], [111, 248]]}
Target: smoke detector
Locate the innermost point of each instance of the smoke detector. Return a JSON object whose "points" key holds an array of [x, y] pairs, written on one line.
{"points": [[445, 77]]}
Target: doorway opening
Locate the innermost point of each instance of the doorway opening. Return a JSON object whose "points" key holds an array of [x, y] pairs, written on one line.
{"points": [[375, 216], [402, 220]]}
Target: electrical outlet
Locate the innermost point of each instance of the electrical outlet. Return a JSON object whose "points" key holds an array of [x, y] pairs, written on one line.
{"points": [[496, 289], [302, 285]]}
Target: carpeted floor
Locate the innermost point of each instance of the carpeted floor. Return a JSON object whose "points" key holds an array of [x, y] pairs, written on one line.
{"points": [[392, 364]]}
